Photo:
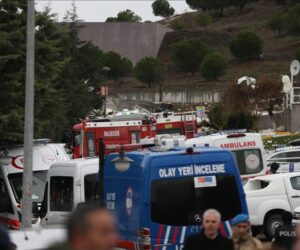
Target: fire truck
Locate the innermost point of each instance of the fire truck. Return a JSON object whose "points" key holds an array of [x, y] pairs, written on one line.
{"points": [[128, 130]]}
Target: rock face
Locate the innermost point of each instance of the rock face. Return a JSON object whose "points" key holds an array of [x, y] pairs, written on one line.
{"points": [[131, 40]]}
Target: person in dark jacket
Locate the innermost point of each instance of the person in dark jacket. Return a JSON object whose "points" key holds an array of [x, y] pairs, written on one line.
{"points": [[209, 238], [285, 235]]}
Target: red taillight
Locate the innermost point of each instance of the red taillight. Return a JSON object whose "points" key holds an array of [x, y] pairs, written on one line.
{"points": [[144, 238], [236, 135]]}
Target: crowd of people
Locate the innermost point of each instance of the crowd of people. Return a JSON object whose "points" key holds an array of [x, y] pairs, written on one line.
{"points": [[94, 228]]}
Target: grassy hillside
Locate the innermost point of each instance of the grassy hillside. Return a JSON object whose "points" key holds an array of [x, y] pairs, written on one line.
{"points": [[277, 55]]}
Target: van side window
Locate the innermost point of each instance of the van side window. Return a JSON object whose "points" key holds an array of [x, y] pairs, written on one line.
{"points": [[90, 182], [175, 201], [61, 193], [5, 201], [44, 206], [295, 181]]}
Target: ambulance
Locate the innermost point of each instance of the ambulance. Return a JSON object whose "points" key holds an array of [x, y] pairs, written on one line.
{"points": [[247, 148], [158, 197], [11, 169]]}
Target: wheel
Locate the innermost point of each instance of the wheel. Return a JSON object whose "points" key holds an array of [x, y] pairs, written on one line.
{"points": [[273, 221]]}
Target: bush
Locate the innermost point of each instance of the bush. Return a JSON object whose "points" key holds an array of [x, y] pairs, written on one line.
{"points": [[212, 67], [247, 45], [277, 23], [293, 20], [188, 54], [297, 54], [203, 19], [177, 24], [240, 120]]}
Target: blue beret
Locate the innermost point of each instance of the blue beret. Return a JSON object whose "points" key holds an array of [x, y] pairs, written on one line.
{"points": [[239, 218]]}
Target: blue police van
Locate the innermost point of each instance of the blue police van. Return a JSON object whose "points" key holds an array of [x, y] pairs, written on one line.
{"points": [[159, 197]]}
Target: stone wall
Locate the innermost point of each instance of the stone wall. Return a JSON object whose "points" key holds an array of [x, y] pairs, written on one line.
{"points": [[131, 40]]}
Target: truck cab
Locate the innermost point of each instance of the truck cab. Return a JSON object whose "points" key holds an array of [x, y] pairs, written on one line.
{"points": [[157, 197], [247, 148], [267, 196], [11, 174]]}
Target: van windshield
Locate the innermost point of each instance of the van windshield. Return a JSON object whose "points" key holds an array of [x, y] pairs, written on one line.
{"points": [[176, 201], [249, 161], [38, 185]]}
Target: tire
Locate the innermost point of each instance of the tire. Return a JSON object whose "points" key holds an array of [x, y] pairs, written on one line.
{"points": [[273, 221]]}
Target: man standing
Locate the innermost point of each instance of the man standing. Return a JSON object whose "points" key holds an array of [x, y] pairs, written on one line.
{"points": [[209, 239], [240, 234], [285, 235]]}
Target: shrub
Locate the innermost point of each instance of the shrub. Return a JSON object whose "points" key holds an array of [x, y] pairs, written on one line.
{"points": [[293, 20], [277, 23], [203, 19], [177, 24], [247, 45], [297, 54], [188, 54], [212, 67]]}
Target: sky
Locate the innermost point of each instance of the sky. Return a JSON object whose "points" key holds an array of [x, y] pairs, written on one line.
{"points": [[99, 10]]}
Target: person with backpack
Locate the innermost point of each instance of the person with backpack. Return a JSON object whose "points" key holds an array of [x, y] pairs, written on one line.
{"points": [[241, 234]]}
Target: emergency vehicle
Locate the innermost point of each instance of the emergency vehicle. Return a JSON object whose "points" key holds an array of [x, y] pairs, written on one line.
{"points": [[129, 130], [158, 197], [247, 148], [11, 169]]}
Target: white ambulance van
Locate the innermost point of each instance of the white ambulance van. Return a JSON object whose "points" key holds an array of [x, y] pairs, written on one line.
{"points": [[11, 170], [247, 148]]}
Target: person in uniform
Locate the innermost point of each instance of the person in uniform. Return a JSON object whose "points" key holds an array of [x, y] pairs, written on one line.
{"points": [[209, 238], [240, 234], [285, 235]]}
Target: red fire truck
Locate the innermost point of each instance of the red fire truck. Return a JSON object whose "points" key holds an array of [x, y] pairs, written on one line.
{"points": [[128, 130]]}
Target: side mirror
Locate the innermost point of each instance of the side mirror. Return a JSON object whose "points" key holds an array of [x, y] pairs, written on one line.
{"points": [[35, 209]]}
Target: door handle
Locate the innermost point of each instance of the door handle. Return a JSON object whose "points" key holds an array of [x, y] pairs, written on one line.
{"points": [[295, 196]]}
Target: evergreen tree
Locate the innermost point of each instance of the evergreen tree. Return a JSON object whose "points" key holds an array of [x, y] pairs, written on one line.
{"points": [[12, 70], [162, 8]]}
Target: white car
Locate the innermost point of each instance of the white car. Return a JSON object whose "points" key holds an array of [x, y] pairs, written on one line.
{"points": [[268, 196], [288, 159]]}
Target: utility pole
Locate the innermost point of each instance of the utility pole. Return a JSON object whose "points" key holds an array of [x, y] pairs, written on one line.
{"points": [[26, 204]]}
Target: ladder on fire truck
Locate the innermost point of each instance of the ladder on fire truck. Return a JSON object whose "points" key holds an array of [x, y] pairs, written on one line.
{"points": [[189, 123]]}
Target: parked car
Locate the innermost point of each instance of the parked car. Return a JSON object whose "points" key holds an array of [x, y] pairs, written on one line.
{"points": [[268, 196], [288, 159]]}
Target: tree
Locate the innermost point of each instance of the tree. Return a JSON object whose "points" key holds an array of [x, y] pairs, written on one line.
{"points": [[119, 67], [188, 54], [197, 4], [281, 2], [268, 94], [293, 20], [150, 70], [247, 45], [297, 54], [240, 120], [203, 19], [216, 116], [240, 3], [277, 23], [162, 8], [12, 70], [212, 67], [125, 16]]}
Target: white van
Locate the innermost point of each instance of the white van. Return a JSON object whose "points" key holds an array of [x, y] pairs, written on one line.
{"points": [[11, 169], [247, 148], [68, 184]]}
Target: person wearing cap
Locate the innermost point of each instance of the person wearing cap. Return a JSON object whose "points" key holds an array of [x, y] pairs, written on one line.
{"points": [[209, 238], [241, 236], [285, 235], [5, 242]]}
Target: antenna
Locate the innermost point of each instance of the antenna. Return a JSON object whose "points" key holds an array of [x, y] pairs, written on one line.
{"points": [[295, 67]]}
